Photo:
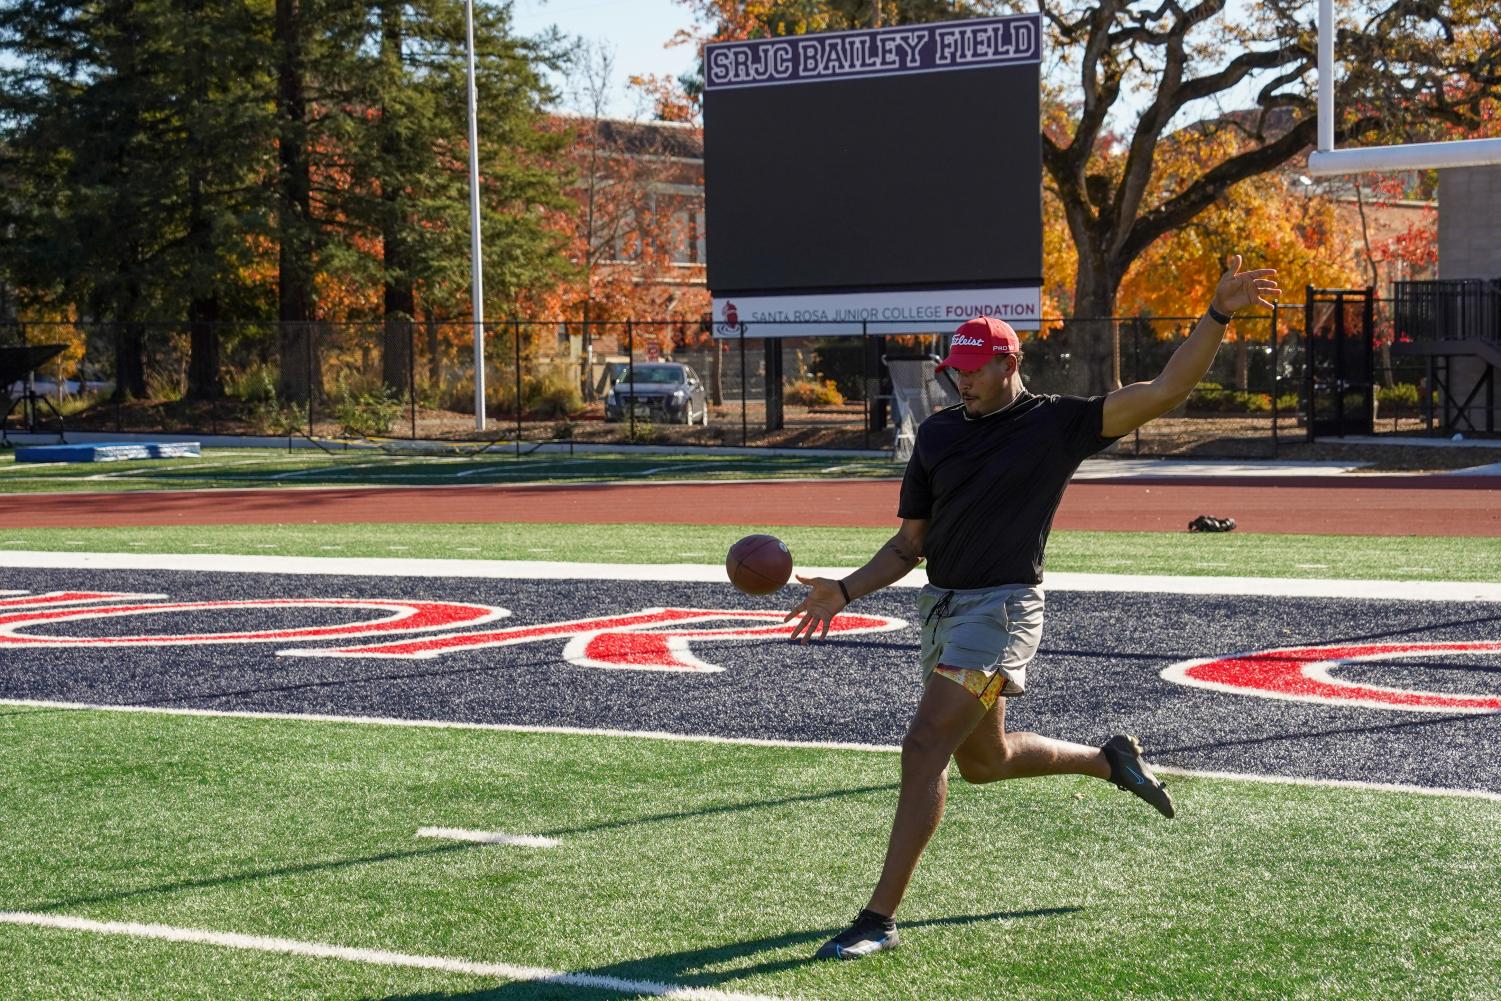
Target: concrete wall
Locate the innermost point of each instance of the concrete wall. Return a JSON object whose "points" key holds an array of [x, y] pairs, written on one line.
{"points": [[1469, 222]]}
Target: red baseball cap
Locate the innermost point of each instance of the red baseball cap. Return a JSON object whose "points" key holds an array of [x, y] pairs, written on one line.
{"points": [[979, 340]]}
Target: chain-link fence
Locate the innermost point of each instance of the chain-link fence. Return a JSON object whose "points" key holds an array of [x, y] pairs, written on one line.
{"points": [[660, 381]]}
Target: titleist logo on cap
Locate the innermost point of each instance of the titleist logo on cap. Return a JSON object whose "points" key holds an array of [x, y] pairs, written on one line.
{"points": [[964, 340]]}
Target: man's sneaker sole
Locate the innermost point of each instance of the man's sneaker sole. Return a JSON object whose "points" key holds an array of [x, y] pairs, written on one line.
{"points": [[874, 941], [1129, 772]]}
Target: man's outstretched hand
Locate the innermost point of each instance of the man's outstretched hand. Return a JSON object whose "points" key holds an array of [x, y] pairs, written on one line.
{"points": [[1238, 289], [824, 601]]}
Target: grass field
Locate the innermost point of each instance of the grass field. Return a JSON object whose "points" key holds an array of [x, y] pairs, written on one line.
{"points": [[714, 866], [1307, 556], [309, 467]]}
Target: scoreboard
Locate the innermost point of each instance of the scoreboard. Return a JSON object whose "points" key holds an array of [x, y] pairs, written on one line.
{"points": [[890, 176]]}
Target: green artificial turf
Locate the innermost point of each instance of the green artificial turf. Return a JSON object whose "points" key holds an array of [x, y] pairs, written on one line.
{"points": [[222, 468], [705, 865], [1230, 554]]}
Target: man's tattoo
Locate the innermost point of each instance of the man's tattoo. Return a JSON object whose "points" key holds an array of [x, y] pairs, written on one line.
{"points": [[901, 553]]}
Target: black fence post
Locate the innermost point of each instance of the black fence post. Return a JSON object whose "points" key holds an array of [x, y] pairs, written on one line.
{"points": [[412, 373], [771, 350], [744, 393], [1340, 362], [630, 376], [1309, 336], [1432, 376], [865, 382], [119, 384], [1276, 374], [516, 340], [1135, 373], [307, 360]]}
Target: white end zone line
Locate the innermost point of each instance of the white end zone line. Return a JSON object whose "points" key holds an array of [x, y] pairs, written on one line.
{"points": [[822, 745], [371, 957], [1381, 590]]}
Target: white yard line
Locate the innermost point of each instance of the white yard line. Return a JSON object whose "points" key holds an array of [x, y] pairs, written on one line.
{"points": [[199, 469], [1387, 590], [371, 957], [486, 837], [493, 466], [689, 738], [341, 468]]}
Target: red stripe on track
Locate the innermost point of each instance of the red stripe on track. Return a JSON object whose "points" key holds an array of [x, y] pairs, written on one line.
{"points": [[1457, 507]]}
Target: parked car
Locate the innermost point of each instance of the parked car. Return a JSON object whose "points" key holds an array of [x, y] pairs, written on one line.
{"points": [[658, 391]]}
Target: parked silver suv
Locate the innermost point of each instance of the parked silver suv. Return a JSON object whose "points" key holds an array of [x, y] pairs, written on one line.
{"points": [[668, 392]]}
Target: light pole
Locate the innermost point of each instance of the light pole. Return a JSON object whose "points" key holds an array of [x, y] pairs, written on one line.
{"points": [[476, 268]]}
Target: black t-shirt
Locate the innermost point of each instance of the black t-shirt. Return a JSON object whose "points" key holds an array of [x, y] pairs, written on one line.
{"points": [[989, 486]]}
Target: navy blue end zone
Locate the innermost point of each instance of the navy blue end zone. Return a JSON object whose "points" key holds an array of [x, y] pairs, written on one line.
{"points": [[1098, 672], [109, 451]]}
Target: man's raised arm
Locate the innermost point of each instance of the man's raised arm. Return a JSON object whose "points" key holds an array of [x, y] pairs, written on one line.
{"points": [[827, 598], [1129, 407]]}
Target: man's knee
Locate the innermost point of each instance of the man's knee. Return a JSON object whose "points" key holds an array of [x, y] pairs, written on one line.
{"points": [[925, 738], [931, 739], [979, 768]]}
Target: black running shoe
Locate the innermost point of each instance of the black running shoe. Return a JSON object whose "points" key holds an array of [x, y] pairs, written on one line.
{"points": [[1130, 773], [870, 933]]}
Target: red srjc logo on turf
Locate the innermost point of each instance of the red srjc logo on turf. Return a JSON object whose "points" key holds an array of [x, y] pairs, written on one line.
{"points": [[653, 639], [1309, 674]]}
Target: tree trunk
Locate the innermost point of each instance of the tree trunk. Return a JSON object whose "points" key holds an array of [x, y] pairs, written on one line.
{"points": [[1090, 338], [130, 347], [396, 340], [299, 378], [434, 363], [204, 382], [399, 297], [130, 363]]}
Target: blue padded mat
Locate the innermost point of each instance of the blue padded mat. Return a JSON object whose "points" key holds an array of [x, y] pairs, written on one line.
{"points": [[108, 451]]}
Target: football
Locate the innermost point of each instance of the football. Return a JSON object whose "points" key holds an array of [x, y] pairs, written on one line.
{"points": [[759, 564]]}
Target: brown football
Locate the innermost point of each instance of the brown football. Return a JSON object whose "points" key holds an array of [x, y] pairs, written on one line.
{"points": [[759, 564]]}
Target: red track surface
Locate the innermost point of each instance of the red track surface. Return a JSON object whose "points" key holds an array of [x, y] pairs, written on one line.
{"points": [[1462, 506]]}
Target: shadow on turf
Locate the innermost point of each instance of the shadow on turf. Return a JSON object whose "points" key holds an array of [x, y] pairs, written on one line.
{"points": [[199, 699], [435, 850], [682, 969]]}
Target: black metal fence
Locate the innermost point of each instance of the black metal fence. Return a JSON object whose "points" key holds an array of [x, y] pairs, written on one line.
{"points": [[1447, 309], [613, 382]]}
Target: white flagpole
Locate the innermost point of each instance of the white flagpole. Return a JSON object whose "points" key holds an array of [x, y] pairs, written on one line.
{"points": [[476, 269]]}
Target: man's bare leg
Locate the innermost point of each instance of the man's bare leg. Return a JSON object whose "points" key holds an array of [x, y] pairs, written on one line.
{"points": [[944, 718], [989, 753]]}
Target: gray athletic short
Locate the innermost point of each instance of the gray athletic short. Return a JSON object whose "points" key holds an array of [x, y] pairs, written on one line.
{"points": [[984, 630]]}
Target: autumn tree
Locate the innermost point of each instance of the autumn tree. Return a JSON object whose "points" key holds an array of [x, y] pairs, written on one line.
{"points": [[635, 222], [132, 148], [408, 164], [177, 165]]}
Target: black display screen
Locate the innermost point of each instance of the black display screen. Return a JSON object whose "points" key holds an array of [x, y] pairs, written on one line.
{"points": [[915, 180]]}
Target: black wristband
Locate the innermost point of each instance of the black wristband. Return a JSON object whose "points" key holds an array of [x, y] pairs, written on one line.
{"points": [[844, 591], [1218, 317]]}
